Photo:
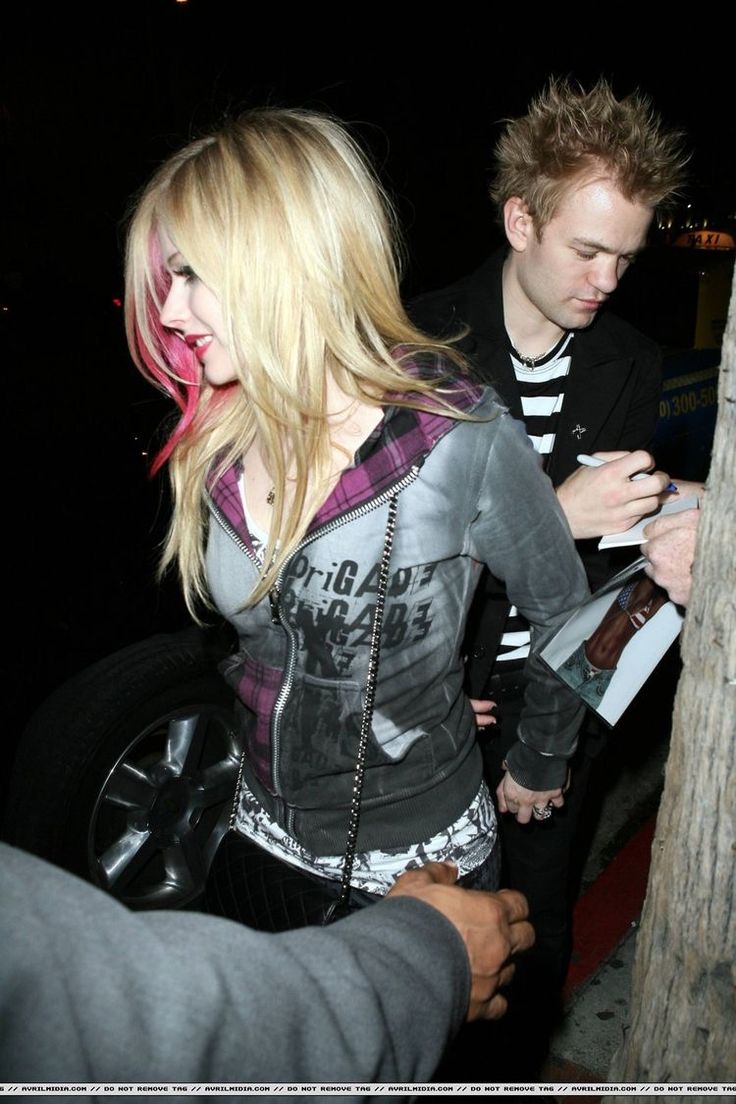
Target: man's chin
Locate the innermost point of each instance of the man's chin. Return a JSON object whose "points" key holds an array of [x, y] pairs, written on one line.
{"points": [[581, 319]]}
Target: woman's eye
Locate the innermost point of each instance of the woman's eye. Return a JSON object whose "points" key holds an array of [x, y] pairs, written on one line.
{"points": [[186, 271]]}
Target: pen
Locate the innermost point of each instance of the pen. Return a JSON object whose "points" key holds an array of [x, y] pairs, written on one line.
{"points": [[595, 462]]}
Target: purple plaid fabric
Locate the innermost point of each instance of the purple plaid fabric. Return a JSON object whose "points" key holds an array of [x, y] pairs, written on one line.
{"points": [[402, 439], [258, 688], [225, 494]]}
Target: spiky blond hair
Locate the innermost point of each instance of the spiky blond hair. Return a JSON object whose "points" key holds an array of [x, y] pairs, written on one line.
{"points": [[568, 132]]}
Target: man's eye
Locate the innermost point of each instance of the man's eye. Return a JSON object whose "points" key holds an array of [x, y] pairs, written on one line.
{"points": [[585, 256]]}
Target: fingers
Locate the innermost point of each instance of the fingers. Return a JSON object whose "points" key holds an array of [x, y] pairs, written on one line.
{"points": [[495, 1008], [491, 963], [515, 905], [492, 926], [614, 454], [687, 487], [526, 804], [483, 721], [670, 550], [482, 705], [631, 463], [612, 496], [412, 882], [501, 798], [488, 1003], [684, 519], [482, 710]]}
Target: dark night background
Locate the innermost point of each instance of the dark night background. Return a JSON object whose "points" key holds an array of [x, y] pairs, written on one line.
{"points": [[93, 103]]}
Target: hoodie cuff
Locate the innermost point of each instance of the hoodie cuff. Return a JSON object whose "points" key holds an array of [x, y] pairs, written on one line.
{"points": [[534, 771]]}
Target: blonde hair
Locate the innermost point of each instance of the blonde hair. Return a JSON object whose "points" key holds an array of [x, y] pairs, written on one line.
{"points": [[568, 132], [281, 217]]}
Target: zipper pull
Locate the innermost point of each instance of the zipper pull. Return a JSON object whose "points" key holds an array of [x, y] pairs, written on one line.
{"points": [[273, 600]]}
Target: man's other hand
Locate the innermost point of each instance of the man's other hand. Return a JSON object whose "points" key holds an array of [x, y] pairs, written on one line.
{"points": [[670, 549]]}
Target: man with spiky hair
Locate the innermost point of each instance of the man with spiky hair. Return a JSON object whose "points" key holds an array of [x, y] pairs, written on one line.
{"points": [[578, 179]]}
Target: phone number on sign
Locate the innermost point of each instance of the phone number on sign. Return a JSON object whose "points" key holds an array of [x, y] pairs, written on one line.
{"points": [[688, 402]]}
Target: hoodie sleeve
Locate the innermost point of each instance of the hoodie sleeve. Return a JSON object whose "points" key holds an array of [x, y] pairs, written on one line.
{"points": [[522, 535], [90, 992]]}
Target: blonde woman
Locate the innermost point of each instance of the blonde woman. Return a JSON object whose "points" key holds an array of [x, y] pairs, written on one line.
{"points": [[317, 426]]}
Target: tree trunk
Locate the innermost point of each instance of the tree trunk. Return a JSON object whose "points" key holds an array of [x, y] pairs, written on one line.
{"points": [[683, 1008]]}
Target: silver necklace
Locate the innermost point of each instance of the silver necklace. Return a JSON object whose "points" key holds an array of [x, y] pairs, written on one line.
{"points": [[533, 361]]}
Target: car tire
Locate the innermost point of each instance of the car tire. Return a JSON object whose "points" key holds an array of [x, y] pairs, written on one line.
{"points": [[125, 775]]}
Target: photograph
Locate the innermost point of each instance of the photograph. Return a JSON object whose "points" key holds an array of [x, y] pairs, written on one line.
{"points": [[610, 646]]}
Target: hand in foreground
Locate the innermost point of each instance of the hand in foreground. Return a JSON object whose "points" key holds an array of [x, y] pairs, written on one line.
{"points": [[482, 709], [521, 803], [670, 549], [493, 927], [606, 499]]}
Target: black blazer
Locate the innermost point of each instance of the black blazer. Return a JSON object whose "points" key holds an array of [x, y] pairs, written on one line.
{"points": [[611, 402]]}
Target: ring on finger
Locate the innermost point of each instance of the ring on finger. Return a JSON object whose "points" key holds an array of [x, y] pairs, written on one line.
{"points": [[542, 812]]}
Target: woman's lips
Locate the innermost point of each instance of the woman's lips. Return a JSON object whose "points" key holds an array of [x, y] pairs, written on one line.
{"points": [[198, 343]]}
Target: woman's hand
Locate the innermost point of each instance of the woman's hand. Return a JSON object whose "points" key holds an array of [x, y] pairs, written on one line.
{"points": [[521, 803], [482, 708]]}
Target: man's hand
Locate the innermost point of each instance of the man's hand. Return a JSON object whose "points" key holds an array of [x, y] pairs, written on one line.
{"points": [[606, 499], [520, 802], [493, 927], [670, 549], [482, 709]]}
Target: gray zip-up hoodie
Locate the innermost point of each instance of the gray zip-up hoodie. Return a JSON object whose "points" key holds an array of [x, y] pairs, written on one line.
{"points": [[470, 492]]}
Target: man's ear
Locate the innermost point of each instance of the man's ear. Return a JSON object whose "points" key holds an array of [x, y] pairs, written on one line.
{"points": [[518, 223]]}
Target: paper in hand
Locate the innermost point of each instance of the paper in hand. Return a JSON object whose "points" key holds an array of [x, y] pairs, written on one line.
{"points": [[635, 535]]}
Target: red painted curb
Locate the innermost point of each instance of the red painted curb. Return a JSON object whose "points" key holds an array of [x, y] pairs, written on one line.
{"points": [[605, 912]]}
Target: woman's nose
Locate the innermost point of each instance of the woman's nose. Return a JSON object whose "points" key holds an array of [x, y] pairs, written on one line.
{"points": [[175, 311]]}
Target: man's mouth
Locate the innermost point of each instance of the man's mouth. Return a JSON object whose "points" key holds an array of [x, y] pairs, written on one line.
{"points": [[591, 304]]}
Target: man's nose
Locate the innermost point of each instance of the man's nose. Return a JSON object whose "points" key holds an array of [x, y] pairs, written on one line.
{"points": [[605, 275], [175, 311]]}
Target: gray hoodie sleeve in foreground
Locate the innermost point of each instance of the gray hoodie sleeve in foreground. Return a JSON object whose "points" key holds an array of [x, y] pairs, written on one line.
{"points": [[91, 992]]}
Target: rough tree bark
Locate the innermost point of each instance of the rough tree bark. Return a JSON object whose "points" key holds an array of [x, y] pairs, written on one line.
{"points": [[683, 1007]]}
